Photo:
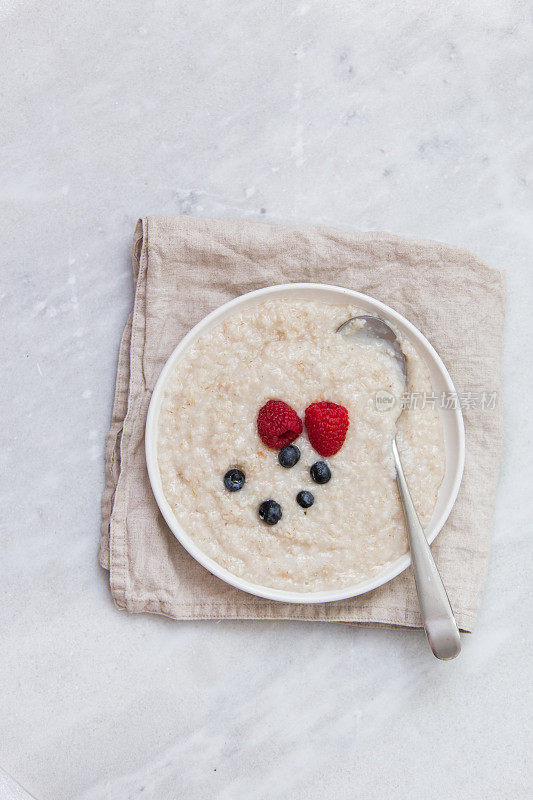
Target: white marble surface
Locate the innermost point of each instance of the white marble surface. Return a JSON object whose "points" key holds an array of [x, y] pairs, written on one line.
{"points": [[410, 117]]}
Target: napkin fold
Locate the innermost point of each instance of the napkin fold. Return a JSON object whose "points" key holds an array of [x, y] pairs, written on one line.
{"points": [[184, 268]]}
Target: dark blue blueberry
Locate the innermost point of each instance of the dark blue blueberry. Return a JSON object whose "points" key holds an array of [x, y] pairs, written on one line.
{"points": [[320, 472], [234, 480], [270, 512], [289, 455], [305, 499]]}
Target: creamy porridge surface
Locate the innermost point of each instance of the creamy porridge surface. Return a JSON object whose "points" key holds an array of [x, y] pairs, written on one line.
{"points": [[288, 350]]}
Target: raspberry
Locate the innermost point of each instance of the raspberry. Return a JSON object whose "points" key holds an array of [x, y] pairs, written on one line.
{"points": [[327, 425], [278, 424]]}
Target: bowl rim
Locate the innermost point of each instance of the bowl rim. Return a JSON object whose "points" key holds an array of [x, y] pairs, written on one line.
{"points": [[281, 595]]}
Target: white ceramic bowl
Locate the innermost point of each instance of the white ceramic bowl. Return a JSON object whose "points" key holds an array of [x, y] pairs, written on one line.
{"points": [[452, 421]]}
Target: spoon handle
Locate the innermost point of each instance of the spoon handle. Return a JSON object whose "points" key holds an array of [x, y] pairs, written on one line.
{"points": [[437, 615]]}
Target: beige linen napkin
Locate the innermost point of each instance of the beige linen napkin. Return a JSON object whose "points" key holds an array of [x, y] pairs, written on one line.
{"points": [[186, 267]]}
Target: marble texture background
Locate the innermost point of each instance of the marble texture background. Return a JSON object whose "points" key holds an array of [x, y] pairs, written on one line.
{"points": [[411, 117]]}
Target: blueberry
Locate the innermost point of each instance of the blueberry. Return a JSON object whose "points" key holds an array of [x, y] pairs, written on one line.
{"points": [[289, 455], [305, 499], [320, 472], [234, 480], [270, 512]]}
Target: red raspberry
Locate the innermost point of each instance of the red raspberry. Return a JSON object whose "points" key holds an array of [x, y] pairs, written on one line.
{"points": [[278, 424], [327, 425]]}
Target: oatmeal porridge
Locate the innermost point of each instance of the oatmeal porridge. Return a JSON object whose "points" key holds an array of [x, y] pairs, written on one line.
{"points": [[277, 512]]}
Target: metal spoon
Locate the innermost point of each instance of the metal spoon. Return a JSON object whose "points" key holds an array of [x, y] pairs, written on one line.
{"points": [[437, 615]]}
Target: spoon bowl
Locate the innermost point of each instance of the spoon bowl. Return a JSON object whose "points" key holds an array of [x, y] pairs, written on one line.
{"points": [[369, 327]]}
